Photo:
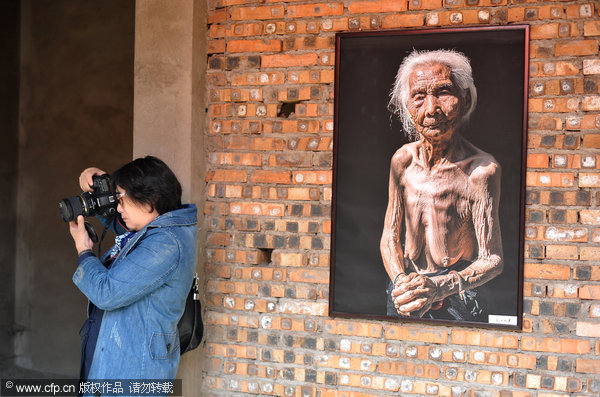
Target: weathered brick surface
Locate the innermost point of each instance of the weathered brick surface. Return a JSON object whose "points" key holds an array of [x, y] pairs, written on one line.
{"points": [[270, 90]]}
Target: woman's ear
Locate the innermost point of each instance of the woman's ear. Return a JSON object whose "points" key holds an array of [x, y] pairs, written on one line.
{"points": [[149, 208]]}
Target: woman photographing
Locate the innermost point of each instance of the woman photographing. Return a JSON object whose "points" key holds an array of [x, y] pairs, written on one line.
{"points": [[137, 290]]}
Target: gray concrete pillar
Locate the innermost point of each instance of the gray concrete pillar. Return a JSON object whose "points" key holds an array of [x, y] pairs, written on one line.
{"points": [[169, 102]]}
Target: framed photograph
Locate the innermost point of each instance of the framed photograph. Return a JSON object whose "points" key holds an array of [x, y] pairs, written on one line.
{"points": [[429, 175]]}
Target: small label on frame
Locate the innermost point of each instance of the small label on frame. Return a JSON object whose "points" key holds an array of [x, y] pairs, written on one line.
{"points": [[504, 320]]}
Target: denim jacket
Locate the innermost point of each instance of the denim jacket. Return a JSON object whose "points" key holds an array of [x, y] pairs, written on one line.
{"points": [[143, 296]]}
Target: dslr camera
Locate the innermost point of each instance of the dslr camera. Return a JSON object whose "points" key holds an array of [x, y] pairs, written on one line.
{"points": [[102, 200]]}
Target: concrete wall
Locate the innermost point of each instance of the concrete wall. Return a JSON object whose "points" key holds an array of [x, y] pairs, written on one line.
{"points": [[9, 110], [76, 105], [170, 66]]}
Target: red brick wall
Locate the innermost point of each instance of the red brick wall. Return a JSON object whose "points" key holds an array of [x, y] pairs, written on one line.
{"points": [[269, 201]]}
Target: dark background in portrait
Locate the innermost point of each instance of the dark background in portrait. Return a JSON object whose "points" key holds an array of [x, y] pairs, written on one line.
{"points": [[367, 135]]}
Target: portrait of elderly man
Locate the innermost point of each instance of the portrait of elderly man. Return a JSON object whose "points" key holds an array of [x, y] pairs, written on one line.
{"points": [[441, 238]]}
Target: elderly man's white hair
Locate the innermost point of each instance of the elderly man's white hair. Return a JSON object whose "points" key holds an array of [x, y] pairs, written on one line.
{"points": [[461, 74]]}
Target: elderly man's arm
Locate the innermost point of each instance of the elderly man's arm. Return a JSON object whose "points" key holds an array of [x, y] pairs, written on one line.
{"points": [[485, 182], [390, 246], [486, 220]]}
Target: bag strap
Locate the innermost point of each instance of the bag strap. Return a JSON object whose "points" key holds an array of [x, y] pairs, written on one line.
{"points": [[197, 314], [195, 290]]}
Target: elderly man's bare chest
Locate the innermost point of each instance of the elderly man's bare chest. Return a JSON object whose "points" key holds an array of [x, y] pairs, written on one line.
{"points": [[438, 197]]}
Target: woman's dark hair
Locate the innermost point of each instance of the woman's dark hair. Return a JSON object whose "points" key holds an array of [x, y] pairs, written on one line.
{"points": [[149, 180]]}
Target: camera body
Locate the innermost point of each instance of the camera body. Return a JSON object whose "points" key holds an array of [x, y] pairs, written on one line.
{"points": [[102, 200]]}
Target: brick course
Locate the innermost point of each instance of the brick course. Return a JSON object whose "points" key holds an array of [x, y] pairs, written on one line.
{"points": [[270, 138]]}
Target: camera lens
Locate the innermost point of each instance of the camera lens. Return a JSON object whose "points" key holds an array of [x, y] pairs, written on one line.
{"points": [[100, 201], [71, 208]]}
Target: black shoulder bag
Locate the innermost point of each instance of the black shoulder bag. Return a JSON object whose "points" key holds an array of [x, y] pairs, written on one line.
{"points": [[190, 325]]}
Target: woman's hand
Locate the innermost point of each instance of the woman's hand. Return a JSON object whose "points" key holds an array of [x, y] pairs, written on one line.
{"points": [[85, 179], [80, 235]]}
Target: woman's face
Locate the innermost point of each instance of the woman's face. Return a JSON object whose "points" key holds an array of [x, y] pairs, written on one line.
{"points": [[135, 215]]}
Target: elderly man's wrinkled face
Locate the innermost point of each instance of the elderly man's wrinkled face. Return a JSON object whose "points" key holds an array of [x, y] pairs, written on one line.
{"points": [[435, 105]]}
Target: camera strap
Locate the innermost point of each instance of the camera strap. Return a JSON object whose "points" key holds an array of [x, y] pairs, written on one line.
{"points": [[104, 235]]}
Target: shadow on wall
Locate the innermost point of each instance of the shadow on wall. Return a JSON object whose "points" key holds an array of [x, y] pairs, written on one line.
{"points": [[74, 105], [9, 112], [9, 371]]}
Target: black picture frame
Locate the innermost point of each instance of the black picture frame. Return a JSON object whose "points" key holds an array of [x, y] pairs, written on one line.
{"points": [[367, 134]]}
